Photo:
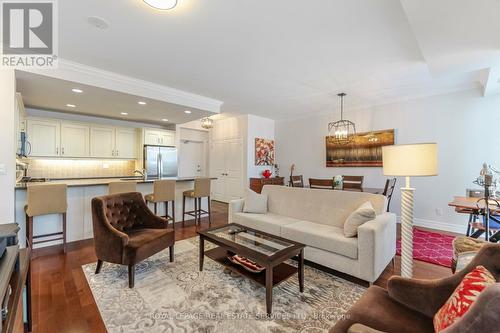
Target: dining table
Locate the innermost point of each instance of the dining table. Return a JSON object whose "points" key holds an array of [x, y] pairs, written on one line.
{"points": [[372, 190], [477, 206]]}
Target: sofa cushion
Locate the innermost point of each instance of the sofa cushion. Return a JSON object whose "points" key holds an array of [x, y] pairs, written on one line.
{"points": [[320, 206], [270, 223], [255, 202], [362, 214], [321, 236], [378, 310]]}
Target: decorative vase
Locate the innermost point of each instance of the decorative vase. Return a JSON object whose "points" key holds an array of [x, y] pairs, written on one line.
{"points": [[267, 174]]}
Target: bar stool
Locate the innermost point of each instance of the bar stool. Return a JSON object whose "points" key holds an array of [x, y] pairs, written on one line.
{"points": [[45, 199], [201, 190], [163, 191], [122, 187]]}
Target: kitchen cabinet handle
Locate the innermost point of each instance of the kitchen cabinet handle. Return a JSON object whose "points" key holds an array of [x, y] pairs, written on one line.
{"points": [[62, 150], [57, 150], [117, 153]]}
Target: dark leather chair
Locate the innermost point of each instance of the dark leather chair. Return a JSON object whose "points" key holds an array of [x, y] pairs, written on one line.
{"points": [[127, 232], [409, 305]]}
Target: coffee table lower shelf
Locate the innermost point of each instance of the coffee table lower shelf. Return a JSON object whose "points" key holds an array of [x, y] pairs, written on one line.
{"points": [[281, 272]]}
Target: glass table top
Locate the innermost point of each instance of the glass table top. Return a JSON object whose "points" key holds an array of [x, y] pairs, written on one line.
{"points": [[253, 240]]}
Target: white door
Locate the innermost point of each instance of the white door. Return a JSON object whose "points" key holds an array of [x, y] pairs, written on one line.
{"points": [[75, 140], [45, 137], [234, 173], [152, 137], [192, 159], [126, 143], [218, 170], [102, 142]]}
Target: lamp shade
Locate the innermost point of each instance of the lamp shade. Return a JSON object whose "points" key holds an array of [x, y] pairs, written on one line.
{"points": [[410, 160]]}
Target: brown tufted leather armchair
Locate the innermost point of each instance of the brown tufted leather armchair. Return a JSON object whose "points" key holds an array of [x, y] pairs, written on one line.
{"points": [[127, 232]]}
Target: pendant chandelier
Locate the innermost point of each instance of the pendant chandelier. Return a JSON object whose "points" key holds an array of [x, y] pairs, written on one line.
{"points": [[342, 131], [207, 123]]}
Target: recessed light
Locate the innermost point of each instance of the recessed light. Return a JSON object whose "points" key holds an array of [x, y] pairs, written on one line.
{"points": [[187, 111], [98, 22], [71, 105], [124, 113], [76, 90], [164, 119], [141, 103], [162, 4]]}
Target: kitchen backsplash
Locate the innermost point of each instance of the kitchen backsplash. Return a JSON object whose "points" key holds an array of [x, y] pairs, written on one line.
{"points": [[47, 168]]}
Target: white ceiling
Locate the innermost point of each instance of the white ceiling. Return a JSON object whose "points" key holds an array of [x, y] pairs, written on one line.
{"points": [[53, 94], [287, 58]]}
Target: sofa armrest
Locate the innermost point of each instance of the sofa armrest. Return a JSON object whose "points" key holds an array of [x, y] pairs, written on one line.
{"points": [[360, 328], [235, 206], [376, 245]]}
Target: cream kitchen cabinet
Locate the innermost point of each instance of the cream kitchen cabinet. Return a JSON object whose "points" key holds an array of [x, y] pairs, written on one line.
{"points": [[125, 143], [111, 142], [102, 141], [44, 137], [158, 137], [74, 140]]}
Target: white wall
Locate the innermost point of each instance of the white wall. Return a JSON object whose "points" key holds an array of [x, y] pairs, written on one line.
{"points": [[465, 125], [7, 148], [257, 127]]}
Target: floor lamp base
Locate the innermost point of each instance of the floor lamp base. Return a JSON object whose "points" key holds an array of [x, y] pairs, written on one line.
{"points": [[407, 232]]}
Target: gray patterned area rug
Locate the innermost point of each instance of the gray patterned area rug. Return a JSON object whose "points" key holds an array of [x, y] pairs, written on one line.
{"points": [[176, 297]]}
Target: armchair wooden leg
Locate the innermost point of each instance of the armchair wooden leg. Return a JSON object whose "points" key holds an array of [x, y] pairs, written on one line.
{"points": [[173, 215], [171, 252], [64, 231], [209, 211], [131, 275], [99, 266], [183, 210]]}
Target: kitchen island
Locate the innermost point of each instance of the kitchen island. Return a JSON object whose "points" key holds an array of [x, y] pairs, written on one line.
{"points": [[79, 215]]}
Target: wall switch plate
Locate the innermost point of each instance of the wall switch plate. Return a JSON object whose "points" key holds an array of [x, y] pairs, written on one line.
{"points": [[3, 170]]}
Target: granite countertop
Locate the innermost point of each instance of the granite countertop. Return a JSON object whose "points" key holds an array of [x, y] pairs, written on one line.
{"points": [[100, 181]]}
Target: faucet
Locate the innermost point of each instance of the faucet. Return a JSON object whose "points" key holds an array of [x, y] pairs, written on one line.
{"points": [[143, 173]]}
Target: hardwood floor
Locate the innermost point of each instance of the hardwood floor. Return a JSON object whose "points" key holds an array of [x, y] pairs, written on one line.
{"points": [[62, 300]]}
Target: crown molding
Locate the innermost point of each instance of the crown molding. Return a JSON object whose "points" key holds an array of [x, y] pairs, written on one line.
{"points": [[76, 72]]}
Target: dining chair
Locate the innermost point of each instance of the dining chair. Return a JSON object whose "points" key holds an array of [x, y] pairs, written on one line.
{"points": [[297, 181], [390, 184], [353, 182], [325, 184], [472, 224]]}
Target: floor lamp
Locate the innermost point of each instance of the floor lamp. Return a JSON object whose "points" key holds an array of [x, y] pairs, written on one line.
{"points": [[413, 160]]}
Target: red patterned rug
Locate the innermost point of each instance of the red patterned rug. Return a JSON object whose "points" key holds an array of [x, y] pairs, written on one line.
{"points": [[431, 247]]}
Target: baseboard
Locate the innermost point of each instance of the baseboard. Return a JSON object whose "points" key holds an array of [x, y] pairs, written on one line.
{"points": [[438, 225]]}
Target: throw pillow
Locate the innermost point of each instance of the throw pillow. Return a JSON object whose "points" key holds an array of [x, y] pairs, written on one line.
{"points": [[362, 214], [463, 297], [255, 203]]}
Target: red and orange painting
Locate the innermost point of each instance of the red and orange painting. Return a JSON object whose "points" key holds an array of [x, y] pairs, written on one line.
{"points": [[264, 151]]}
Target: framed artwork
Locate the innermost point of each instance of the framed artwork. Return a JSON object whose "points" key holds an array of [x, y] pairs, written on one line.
{"points": [[264, 152], [364, 151]]}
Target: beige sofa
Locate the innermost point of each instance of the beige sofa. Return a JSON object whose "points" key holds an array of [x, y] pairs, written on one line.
{"points": [[316, 218]]}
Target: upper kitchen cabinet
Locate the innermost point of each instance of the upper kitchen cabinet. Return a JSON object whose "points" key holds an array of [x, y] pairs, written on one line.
{"points": [[126, 143], [75, 139], [158, 137], [44, 137], [102, 141]]}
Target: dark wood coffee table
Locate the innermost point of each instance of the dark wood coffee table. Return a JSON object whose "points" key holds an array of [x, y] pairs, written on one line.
{"points": [[265, 249]]}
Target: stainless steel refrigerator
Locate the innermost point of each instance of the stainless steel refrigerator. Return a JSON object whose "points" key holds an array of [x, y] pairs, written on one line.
{"points": [[160, 162]]}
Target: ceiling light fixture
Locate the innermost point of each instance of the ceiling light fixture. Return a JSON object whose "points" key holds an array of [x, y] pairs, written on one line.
{"points": [[141, 103], [164, 119], [124, 113], [187, 111], [161, 4], [71, 105], [76, 90], [342, 131], [207, 123]]}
